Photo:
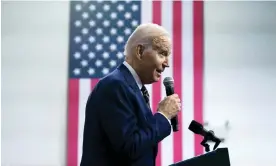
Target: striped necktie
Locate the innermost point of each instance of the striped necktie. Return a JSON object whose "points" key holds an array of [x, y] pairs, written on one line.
{"points": [[145, 95]]}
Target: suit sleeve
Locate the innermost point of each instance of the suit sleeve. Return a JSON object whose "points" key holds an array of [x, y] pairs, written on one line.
{"points": [[120, 124]]}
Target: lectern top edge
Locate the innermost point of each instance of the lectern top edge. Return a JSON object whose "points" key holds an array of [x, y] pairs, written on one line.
{"points": [[218, 157]]}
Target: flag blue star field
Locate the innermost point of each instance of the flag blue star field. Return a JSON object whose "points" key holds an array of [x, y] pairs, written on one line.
{"points": [[98, 33]]}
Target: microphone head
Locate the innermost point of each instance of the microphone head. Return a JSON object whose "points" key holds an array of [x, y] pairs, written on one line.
{"points": [[168, 81], [196, 127]]}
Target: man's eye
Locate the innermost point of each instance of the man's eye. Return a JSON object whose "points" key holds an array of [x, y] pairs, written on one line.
{"points": [[164, 53]]}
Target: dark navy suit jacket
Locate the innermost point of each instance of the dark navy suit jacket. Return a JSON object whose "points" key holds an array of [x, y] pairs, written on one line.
{"points": [[120, 129]]}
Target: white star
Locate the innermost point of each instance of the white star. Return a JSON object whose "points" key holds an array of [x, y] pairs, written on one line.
{"points": [[127, 1], [91, 39], [92, 23], [84, 47], [92, 7], [91, 71], [120, 55], [84, 63], [106, 7], [78, 7], [77, 55], [105, 55], [112, 63], [120, 39], [98, 63], [120, 23], [84, 31], [113, 47], [99, 47], [134, 23], [85, 15], [99, 31], [106, 23], [113, 31], [77, 39], [120, 7], [127, 31], [113, 15], [91, 55], [77, 23], [99, 15], [127, 15], [76, 71], [105, 71], [134, 7], [105, 39]]}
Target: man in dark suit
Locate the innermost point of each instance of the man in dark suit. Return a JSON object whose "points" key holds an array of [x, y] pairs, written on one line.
{"points": [[120, 129]]}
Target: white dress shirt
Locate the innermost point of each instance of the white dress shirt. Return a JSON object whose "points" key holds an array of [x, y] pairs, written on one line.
{"points": [[138, 81]]}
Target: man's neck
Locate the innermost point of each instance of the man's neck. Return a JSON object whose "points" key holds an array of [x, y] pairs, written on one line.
{"points": [[133, 65], [134, 74]]}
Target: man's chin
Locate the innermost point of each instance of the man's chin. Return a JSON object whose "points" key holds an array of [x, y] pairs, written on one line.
{"points": [[156, 79], [153, 81]]}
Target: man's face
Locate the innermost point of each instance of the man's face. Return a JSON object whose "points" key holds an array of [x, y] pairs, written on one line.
{"points": [[154, 60]]}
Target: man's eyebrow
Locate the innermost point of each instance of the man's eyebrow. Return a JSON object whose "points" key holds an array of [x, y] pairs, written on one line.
{"points": [[161, 47], [164, 49]]}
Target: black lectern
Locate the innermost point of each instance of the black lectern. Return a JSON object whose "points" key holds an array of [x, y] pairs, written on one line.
{"points": [[218, 157]]}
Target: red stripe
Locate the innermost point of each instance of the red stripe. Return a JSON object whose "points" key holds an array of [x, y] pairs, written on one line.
{"points": [[198, 69], [72, 133], [93, 83], [156, 87], [177, 73]]}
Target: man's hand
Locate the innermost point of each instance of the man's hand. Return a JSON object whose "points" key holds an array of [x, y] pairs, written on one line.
{"points": [[170, 106]]}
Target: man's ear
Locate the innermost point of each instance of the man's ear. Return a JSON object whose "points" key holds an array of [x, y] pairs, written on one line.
{"points": [[139, 51]]}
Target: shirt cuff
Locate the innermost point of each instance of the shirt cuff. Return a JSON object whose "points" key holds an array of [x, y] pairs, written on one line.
{"points": [[165, 117]]}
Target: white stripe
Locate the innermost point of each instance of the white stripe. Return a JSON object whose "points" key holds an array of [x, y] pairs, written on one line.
{"points": [[187, 79], [146, 17], [167, 144], [84, 90]]}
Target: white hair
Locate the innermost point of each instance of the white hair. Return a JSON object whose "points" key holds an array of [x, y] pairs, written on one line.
{"points": [[144, 34]]}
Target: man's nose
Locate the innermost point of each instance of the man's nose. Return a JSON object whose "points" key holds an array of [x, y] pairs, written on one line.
{"points": [[166, 62]]}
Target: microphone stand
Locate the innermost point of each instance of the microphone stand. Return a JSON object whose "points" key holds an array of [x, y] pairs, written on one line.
{"points": [[209, 136]]}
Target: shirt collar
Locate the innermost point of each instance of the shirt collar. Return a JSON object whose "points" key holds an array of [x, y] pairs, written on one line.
{"points": [[134, 74]]}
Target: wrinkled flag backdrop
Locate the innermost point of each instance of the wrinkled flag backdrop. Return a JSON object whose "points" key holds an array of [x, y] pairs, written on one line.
{"points": [[98, 31]]}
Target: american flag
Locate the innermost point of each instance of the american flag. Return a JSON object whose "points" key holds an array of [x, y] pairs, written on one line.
{"points": [[98, 32]]}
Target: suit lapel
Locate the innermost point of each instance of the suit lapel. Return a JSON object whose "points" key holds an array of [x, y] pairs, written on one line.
{"points": [[132, 83]]}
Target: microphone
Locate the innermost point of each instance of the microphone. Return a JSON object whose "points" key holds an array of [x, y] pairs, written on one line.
{"points": [[169, 85], [198, 128]]}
